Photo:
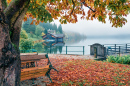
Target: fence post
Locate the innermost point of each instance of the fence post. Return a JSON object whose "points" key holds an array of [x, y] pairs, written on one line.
{"points": [[126, 48], [50, 49], [115, 48], [83, 50], [119, 50], [107, 51], [66, 49]]}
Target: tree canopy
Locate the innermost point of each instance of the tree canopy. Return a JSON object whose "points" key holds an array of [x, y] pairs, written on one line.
{"points": [[67, 10]]}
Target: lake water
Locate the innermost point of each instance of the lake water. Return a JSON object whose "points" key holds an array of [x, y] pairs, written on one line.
{"points": [[75, 46], [90, 41]]}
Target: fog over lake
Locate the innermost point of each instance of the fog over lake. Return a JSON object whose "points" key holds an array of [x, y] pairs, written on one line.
{"points": [[96, 28]]}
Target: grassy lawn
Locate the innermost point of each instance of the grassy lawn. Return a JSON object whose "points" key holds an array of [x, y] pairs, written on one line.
{"points": [[89, 73]]}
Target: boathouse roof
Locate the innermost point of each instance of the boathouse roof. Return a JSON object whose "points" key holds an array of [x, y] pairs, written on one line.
{"points": [[56, 35]]}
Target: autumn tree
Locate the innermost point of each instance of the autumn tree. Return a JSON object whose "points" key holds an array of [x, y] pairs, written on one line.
{"points": [[13, 12]]}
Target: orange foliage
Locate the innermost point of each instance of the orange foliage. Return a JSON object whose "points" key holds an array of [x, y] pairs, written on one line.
{"points": [[67, 10], [88, 72]]}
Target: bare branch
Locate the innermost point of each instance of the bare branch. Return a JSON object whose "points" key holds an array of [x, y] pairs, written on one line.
{"points": [[66, 2], [73, 7], [89, 7]]}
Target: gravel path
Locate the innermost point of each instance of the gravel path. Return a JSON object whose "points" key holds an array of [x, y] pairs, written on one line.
{"points": [[70, 56]]}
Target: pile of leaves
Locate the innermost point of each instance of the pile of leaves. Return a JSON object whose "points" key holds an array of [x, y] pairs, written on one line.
{"points": [[82, 72]]}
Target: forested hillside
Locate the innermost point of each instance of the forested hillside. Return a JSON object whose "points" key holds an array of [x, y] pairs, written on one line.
{"points": [[41, 28], [31, 33]]}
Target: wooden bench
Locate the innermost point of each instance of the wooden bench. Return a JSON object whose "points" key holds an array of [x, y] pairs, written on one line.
{"points": [[35, 72]]}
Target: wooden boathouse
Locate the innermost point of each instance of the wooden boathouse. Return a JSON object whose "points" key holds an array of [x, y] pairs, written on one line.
{"points": [[53, 37]]}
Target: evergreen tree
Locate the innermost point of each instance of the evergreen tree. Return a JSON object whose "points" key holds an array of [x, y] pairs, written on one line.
{"points": [[60, 29], [29, 28], [39, 30], [45, 31], [55, 27]]}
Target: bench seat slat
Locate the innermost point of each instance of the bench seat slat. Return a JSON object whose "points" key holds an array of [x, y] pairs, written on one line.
{"points": [[35, 76], [34, 72]]}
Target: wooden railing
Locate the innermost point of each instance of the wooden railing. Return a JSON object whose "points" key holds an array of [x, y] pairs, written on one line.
{"points": [[66, 50], [117, 49]]}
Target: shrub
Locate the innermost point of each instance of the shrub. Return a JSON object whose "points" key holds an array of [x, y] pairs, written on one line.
{"points": [[119, 59], [23, 34], [26, 44]]}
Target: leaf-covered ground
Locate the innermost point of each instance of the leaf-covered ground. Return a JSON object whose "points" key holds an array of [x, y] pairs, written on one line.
{"points": [[81, 72]]}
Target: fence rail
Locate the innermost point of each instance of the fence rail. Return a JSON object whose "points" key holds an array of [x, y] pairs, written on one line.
{"points": [[52, 49]]}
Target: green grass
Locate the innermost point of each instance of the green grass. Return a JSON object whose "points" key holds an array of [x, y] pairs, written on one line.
{"points": [[34, 38], [119, 59]]}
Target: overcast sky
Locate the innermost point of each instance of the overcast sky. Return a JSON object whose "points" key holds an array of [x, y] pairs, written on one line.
{"points": [[95, 27]]}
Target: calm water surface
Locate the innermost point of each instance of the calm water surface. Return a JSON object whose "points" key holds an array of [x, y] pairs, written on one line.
{"points": [[90, 41]]}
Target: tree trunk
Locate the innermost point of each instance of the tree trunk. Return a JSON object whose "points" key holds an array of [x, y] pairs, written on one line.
{"points": [[10, 63], [9, 57]]}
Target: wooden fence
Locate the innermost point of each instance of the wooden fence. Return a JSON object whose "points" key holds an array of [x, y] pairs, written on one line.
{"points": [[109, 49], [117, 49]]}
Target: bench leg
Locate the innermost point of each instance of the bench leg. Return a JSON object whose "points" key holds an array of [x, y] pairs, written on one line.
{"points": [[33, 81], [48, 75]]}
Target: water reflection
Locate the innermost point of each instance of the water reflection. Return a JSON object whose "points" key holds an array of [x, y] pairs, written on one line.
{"points": [[53, 47]]}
